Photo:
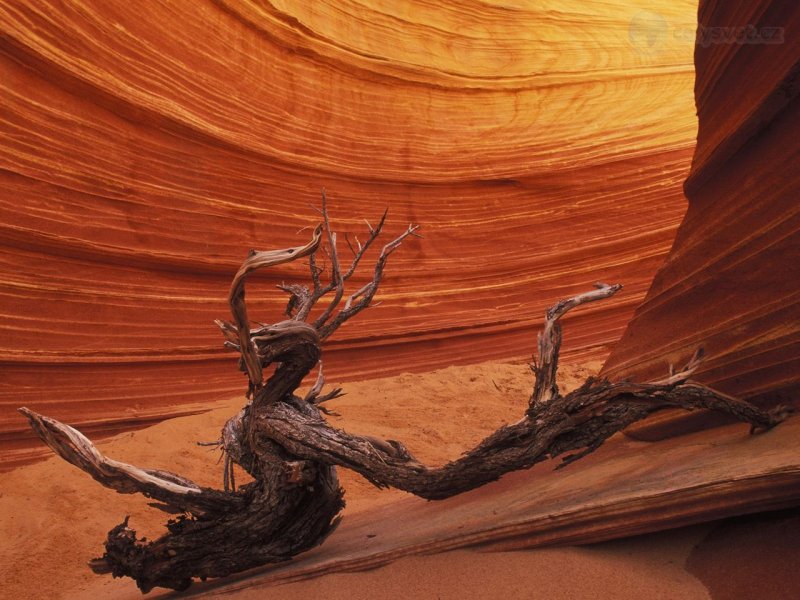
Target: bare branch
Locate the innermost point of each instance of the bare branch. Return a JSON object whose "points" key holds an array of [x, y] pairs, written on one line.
{"points": [[315, 272], [304, 302], [314, 394], [686, 372], [259, 260], [579, 422], [336, 282], [350, 244], [317, 387], [298, 296], [546, 387], [169, 488], [367, 292], [373, 235], [230, 333], [333, 394]]}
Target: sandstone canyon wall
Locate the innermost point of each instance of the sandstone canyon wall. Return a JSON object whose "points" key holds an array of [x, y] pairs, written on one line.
{"points": [[146, 146], [730, 283]]}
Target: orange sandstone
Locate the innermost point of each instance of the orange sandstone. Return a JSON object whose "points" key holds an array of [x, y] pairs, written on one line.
{"points": [[145, 147], [730, 282]]}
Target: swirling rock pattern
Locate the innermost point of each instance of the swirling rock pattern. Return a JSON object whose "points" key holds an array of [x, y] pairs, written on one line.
{"points": [[730, 283], [144, 147]]}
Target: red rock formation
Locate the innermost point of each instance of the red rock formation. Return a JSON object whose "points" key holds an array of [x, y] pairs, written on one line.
{"points": [[144, 147], [730, 283]]}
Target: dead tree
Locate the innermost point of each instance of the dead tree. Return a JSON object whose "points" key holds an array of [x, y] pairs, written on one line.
{"points": [[284, 442]]}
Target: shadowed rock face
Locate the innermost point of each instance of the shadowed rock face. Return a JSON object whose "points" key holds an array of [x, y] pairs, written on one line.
{"points": [[730, 283], [144, 147]]}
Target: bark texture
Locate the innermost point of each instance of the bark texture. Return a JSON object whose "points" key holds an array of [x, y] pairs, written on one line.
{"points": [[290, 450]]}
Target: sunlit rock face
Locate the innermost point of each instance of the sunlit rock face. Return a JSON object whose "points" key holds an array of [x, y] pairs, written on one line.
{"points": [[730, 283], [146, 146]]}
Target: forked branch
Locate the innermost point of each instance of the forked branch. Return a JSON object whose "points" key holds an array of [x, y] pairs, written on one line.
{"points": [[361, 299], [302, 300]]}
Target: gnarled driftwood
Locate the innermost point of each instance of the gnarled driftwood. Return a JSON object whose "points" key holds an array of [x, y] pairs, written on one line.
{"points": [[285, 444]]}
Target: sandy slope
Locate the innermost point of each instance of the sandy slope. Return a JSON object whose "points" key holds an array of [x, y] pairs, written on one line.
{"points": [[53, 518]]}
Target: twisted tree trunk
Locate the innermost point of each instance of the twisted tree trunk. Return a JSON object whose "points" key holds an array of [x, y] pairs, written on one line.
{"points": [[284, 442]]}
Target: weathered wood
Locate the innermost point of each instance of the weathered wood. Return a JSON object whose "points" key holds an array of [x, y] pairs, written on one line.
{"points": [[259, 260], [578, 422], [549, 341], [291, 452], [626, 488]]}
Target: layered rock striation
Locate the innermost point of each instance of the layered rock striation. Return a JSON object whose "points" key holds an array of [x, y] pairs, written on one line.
{"points": [[730, 282], [145, 147]]}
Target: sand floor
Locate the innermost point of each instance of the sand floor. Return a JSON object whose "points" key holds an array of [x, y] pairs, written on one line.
{"points": [[53, 518]]}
